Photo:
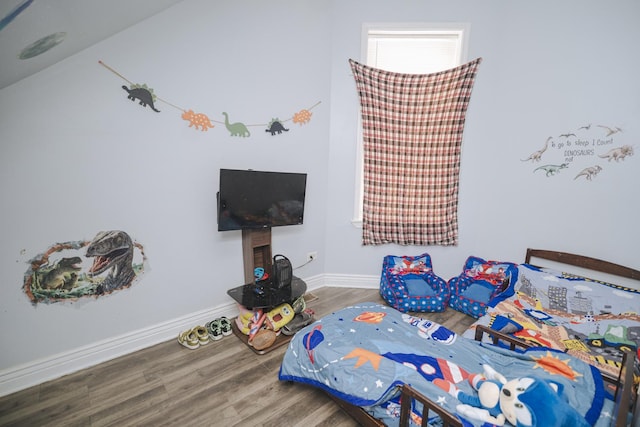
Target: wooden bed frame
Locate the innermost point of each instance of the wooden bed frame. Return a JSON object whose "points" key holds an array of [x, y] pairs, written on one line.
{"points": [[626, 392]]}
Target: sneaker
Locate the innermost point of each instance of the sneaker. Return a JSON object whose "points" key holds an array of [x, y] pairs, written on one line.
{"points": [[202, 334], [225, 326], [189, 339], [214, 330]]}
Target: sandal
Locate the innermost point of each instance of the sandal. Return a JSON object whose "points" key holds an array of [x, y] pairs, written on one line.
{"points": [[202, 334], [299, 305], [189, 339]]}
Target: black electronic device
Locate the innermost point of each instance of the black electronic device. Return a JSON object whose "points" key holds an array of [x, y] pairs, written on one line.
{"points": [[251, 199], [282, 271]]}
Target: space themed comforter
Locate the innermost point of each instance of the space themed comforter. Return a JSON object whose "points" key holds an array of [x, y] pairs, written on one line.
{"points": [[363, 354]]}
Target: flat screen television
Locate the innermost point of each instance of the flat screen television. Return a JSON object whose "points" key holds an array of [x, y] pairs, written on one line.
{"points": [[251, 199]]}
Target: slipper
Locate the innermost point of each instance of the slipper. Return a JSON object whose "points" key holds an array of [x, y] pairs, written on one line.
{"points": [[298, 322], [202, 334]]}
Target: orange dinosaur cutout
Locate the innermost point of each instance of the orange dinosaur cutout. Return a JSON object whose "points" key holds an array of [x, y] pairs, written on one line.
{"points": [[302, 117], [199, 120]]}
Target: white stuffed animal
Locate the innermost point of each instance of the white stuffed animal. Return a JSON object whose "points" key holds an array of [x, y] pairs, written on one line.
{"points": [[485, 406]]}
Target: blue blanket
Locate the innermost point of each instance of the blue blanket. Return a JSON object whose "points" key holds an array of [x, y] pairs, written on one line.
{"points": [[363, 354]]}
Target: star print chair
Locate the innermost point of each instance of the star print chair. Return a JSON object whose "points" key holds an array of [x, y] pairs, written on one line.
{"points": [[481, 284], [408, 283]]}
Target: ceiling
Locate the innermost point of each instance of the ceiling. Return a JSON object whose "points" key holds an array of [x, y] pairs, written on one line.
{"points": [[35, 34]]}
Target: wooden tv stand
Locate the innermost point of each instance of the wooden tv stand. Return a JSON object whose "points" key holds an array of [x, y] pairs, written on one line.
{"points": [[256, 251]]}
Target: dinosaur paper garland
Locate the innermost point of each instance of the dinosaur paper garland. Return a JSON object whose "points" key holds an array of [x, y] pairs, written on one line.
{"points": [[200, 121]]}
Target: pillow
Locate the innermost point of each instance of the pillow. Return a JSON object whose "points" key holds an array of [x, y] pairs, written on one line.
{"points": [[417, 287], [492, 272], [478, 292], [410, 264]]}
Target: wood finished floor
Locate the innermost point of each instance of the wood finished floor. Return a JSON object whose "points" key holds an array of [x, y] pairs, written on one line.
{"points": [[223, 383]]}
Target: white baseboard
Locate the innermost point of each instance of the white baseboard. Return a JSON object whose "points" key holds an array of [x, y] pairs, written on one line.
{"points": [[39, 371], [351, 281]]}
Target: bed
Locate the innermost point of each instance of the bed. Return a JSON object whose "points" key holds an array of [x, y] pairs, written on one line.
{"points": [[593, 320], [390, 368]]}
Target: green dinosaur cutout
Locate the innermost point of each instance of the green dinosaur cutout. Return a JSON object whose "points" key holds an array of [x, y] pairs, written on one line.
{"points": [[236, 129]]}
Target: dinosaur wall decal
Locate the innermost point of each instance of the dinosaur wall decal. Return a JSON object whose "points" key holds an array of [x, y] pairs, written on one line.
{"points": [[585, 144], [551, 170], [589, 172], [113, 252], [618, 153], [86, 268], [536, 156]]}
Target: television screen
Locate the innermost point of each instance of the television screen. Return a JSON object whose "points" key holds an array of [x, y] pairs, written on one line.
{"points": [[257, 199]]}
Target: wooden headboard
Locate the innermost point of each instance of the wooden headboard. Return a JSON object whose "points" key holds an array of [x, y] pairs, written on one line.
{"points": [[583, 262]]}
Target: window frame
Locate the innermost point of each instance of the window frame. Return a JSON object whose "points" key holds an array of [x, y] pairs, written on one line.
{"points": [[412, 30]]}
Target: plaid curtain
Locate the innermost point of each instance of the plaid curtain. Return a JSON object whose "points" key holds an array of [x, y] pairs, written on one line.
{"points": [[412, 134]]}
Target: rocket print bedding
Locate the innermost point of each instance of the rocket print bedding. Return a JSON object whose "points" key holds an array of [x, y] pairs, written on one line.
{"points": [[363, 354]]}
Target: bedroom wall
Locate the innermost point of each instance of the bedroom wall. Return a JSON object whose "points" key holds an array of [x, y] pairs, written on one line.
{"points": [[78, 158], [547, 69]]}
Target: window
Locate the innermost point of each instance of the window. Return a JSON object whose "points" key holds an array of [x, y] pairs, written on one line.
{"points": [[408, 48]]}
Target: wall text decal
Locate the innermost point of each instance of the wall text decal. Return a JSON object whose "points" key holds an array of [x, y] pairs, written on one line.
{"points": [[593, 147]]}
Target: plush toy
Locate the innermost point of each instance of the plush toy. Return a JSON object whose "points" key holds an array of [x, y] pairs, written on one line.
{"points": [[533, 402], [243, 321], [523, 402], [485, 406], [279, 316]]}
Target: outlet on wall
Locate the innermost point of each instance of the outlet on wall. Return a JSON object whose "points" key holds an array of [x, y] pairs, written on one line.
{"points": [[312, 256]]}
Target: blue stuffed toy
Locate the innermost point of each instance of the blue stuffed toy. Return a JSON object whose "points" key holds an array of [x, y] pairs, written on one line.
{"points": [[523, 402], [533, 402]]}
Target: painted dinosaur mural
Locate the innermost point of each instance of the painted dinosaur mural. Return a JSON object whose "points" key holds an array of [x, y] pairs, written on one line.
{"points": [[90, 268]]}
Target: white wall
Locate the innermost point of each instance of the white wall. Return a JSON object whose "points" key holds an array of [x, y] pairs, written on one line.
{"points": [[547, 68], [77, 157]]}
